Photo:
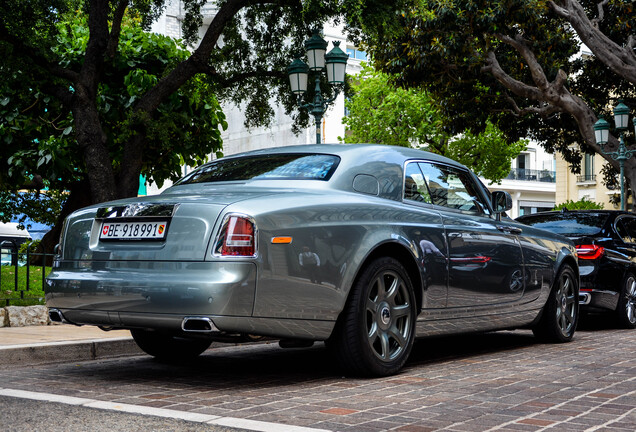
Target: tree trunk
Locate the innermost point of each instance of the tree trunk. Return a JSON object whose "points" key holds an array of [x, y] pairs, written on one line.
{"points": [[78, 197], [128, 176], [92, 142]]}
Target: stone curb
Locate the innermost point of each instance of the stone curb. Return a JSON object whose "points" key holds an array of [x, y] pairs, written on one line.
{"points": [[22, 316], [58, 352]]}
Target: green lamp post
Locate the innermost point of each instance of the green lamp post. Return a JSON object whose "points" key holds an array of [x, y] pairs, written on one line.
{"points": [[601, 132], [333, 62]]}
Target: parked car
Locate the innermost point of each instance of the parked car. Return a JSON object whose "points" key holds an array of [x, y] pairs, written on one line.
{"points": [[362, 246], [11, 237], [606, 245]]}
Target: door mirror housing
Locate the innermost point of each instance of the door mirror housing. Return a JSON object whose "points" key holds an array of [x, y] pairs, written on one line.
{"points": [[501, 201]]}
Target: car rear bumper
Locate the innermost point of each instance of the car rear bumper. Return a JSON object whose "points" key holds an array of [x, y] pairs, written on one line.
{"points": [[107, 292], [598, 300], [208, 299]]}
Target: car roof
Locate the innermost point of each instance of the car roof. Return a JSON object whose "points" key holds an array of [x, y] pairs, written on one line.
{"points": [[352, 150], [383, 162]]}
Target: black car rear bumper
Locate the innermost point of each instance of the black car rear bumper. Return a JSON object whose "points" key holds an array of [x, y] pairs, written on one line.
{"points": [[592, 300]]}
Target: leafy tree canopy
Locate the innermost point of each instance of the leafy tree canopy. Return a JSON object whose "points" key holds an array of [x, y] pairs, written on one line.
{"points": [[106, 103], [518, 61], [380, 112], [37, 130]]}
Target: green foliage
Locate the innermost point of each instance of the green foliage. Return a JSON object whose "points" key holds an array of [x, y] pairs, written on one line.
{"points": [[488, 153], [38, 130], [380, 112], [31, 245], [444, 47], [582, 204], [41, 207], [80, 112]]}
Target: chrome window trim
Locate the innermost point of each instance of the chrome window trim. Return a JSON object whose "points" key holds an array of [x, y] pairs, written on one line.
{"points": [[478, 186]]}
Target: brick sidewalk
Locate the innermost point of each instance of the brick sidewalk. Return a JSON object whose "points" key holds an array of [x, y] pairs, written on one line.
{"points": [[502, 381]]}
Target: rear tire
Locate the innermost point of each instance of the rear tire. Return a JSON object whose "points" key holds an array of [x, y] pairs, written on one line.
{"points": [[626, 309], [561, 312], [375, 333], [168, 347]]}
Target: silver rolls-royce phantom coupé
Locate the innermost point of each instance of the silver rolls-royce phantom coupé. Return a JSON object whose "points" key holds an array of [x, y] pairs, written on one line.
{"points": [[365, 247]]}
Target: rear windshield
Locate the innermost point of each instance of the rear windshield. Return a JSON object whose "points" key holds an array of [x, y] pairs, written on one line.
{"points": [[568, 224], [293, 166]]}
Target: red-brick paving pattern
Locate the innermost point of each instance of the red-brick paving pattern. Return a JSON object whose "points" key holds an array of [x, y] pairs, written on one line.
{"points": [[502, 381]]}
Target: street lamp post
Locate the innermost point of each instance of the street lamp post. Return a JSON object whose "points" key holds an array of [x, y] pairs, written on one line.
{"points": [[334, 62], [601, 132]]}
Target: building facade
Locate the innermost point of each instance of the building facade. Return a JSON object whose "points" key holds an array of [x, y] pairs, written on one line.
{"points": [[588, 184], [531, 182]]}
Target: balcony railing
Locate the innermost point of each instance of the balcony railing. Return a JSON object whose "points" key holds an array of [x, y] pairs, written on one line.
{"points": [[532, 175], [586, 178]]}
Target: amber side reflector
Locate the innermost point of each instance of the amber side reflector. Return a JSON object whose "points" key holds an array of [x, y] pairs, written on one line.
{"points": [[281, 240]]}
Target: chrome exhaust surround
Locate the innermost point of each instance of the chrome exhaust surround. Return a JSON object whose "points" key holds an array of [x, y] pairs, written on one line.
{"points": [[56, 315], [585, 298], [195, 324]]}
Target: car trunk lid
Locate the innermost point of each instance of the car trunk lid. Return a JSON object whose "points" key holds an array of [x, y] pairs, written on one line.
{"points": [[160, 228]]}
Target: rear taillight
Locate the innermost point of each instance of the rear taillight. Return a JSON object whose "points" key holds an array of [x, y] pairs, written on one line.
{"points": [[590, 252], [237, 237]]}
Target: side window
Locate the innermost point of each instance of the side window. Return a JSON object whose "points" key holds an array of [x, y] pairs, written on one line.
{"points": [[451, 187], [626, 228], [621, 230], [415, 188]]}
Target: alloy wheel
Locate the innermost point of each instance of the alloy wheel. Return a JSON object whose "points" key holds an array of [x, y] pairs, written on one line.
{"points": [[566, 304], [388, 316], [630, 300]]}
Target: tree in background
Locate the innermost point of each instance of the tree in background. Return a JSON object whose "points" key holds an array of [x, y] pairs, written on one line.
{"points": [[517, 60], [380, 112], [89, 106], [582, 204], [41, 151]]}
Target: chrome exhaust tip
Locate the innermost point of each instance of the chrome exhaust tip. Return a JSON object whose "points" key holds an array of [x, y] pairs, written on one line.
{"points": [[198, 325], [585, 298], [56, 315]]}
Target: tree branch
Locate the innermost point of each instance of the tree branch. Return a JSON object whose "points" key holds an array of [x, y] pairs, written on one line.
{"points": [[517, 87], [115, 30], [538, 76], [620, 59], [601, 13], [198, 61]]}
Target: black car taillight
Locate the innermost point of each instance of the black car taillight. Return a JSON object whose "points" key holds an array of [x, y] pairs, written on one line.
{"points": [[237, 237], [590, 252]]}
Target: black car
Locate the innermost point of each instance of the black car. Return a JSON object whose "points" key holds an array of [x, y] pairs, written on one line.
{"points": [[606, 245]]}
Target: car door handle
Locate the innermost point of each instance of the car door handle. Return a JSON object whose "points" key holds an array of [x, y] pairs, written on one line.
{"points": [[509, 229]]}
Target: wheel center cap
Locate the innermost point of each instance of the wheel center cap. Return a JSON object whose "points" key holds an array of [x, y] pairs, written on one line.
{"points": [[564, 303], [385, 315]]}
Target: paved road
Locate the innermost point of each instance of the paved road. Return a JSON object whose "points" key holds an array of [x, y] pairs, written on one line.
{"points": [[20, 415], [500, 381]]}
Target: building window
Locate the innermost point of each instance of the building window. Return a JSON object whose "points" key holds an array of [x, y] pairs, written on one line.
{"points": [[522, 161], [357, 54], [587, 170], [589, 165]]}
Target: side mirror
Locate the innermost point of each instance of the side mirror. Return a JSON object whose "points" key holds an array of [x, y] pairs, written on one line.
{"points": [[501, 201]]}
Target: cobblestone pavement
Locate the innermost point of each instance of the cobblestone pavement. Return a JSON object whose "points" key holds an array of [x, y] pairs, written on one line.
{"points": [[502, 381]]}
